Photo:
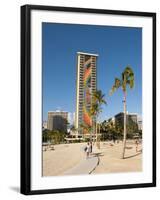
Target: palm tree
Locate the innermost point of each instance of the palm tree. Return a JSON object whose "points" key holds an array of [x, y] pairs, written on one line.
{"points": [[127, 79], [97, 101], [73, 131], [87, 128]]}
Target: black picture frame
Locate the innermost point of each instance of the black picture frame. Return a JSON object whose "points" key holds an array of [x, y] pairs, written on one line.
{"points": [[26, 98]]}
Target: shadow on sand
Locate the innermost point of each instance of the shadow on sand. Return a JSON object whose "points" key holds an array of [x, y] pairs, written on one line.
{"points": [[139, 152], [97, 154]]}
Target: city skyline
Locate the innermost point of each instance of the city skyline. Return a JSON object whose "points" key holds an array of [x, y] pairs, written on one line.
{"points": [[116, 46], [71, 116]]}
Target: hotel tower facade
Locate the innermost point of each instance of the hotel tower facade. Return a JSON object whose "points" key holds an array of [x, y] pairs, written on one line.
{"points": [[86, 86]]}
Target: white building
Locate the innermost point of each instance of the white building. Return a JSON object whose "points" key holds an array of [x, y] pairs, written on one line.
{"points": [[139, 122]]}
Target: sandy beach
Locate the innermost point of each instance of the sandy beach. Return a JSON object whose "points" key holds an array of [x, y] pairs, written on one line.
{"points": [[66, 156], [111, 162]]}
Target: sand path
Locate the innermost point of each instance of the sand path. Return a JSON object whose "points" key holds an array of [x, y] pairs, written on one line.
{"points": [[67, 156], [111, 162], [63, 158]]}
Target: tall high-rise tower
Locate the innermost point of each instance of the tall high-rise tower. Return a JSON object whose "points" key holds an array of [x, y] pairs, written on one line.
{"points": [[86, 86]]}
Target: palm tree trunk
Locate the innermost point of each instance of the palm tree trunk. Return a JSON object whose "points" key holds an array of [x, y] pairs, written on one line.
{"points": [[125, 130], [95, 130], [96, 133], [91, 135], [99, 140]]}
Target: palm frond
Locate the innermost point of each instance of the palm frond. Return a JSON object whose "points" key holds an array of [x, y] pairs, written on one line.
{"points": [[94, 109], [98, 97], [104, 101], [131, 80], [128, 78], [117, 83], [128, 70], [131, 84], [113, 89]]}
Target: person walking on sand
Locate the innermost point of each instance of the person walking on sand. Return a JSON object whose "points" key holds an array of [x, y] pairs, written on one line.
{"points": [[136, 143], [88, 150], [91, 146]]}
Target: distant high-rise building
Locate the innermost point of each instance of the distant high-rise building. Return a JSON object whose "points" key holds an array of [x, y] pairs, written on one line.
{"points": [[86, 86], [57, 120]]}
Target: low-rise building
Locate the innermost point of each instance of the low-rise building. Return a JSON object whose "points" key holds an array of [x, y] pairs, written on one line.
{"points": [[119, 118]]}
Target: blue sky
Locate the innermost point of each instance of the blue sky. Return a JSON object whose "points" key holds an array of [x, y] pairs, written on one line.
{"points": [[117, 47]]}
